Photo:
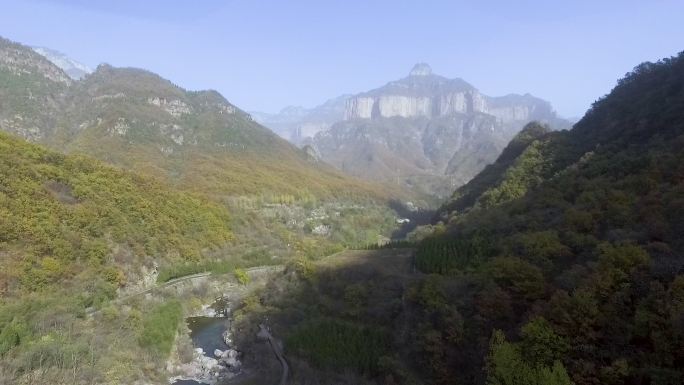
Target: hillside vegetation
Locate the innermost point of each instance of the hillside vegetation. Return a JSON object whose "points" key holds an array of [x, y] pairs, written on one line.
{"points": [[75, 234], [130, 182], [583, 273], [196, 140], [72, 232], [562, 263], [61, 215]]}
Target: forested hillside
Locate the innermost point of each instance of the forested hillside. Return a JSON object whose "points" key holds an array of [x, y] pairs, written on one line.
{"points": [[72, 232], [83, 245], [583, 269], [68, 215], [560, 263]]}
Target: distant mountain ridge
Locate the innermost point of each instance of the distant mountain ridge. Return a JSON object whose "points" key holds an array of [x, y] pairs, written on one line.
{"points": [[426, 132], [424, 94]]}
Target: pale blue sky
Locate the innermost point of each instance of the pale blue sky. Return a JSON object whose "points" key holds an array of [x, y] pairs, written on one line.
{"points": [[263, 55]]}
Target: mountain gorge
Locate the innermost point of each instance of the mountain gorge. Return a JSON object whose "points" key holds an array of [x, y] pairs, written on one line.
{"points": [[131, 182], [576, 235], [560, 263], [424, 132], [152, 235]]}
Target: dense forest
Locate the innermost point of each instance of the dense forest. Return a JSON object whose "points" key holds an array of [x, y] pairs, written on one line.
{"points": [[583, 277], [65, 215], [561, 263], [74, 231]]}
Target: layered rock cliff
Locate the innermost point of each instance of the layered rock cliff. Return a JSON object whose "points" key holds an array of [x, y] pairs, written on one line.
{"points": [[424, 94], [427, 132]]}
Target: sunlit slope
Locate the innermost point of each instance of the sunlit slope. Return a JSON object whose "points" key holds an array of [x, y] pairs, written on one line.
{"points": [[65, 216]]}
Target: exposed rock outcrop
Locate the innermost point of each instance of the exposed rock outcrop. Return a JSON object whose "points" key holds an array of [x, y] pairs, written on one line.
{"points": [[423, 94], [427, 132], [20, 61]]}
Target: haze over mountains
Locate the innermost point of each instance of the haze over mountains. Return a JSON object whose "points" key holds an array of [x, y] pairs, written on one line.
{"points": [[423, 132], [299, 124]]}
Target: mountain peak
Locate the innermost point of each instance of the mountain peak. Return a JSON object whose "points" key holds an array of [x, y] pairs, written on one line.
{"points": [[421, 69]]}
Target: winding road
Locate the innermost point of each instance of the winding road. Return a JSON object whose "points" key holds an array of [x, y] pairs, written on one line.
{"points": [[175, 281], [168, 283]]}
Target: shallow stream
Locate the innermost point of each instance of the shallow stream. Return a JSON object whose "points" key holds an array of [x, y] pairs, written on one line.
{"points": [[207, 334]]}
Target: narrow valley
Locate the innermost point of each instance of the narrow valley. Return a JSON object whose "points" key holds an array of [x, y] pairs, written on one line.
{"points": [[158, 225]]}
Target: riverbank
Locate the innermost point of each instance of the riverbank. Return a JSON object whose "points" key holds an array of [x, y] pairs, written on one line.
{"points": [[206, 352]]}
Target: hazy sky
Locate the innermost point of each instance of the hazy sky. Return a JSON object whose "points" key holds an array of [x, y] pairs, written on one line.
{"points": [[263, 55]]}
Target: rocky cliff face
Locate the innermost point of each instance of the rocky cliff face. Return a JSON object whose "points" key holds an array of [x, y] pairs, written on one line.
{"points": [[423, 94], [22, 62], [427, 132]]}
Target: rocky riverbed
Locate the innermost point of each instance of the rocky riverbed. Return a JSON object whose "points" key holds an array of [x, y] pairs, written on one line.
{"points": [[207, 353], [215, 358]]}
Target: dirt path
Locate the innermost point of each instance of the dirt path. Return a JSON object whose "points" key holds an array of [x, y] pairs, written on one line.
{"points": [[278, 350], [168, 283]]}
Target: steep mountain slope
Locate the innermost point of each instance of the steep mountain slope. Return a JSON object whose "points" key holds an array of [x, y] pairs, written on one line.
{"points": [[72, 232], [136, 119], [133, 118], [427, 132], [83, 244], [31, 88], [523, 164], [575, 240], [63, 214]]}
